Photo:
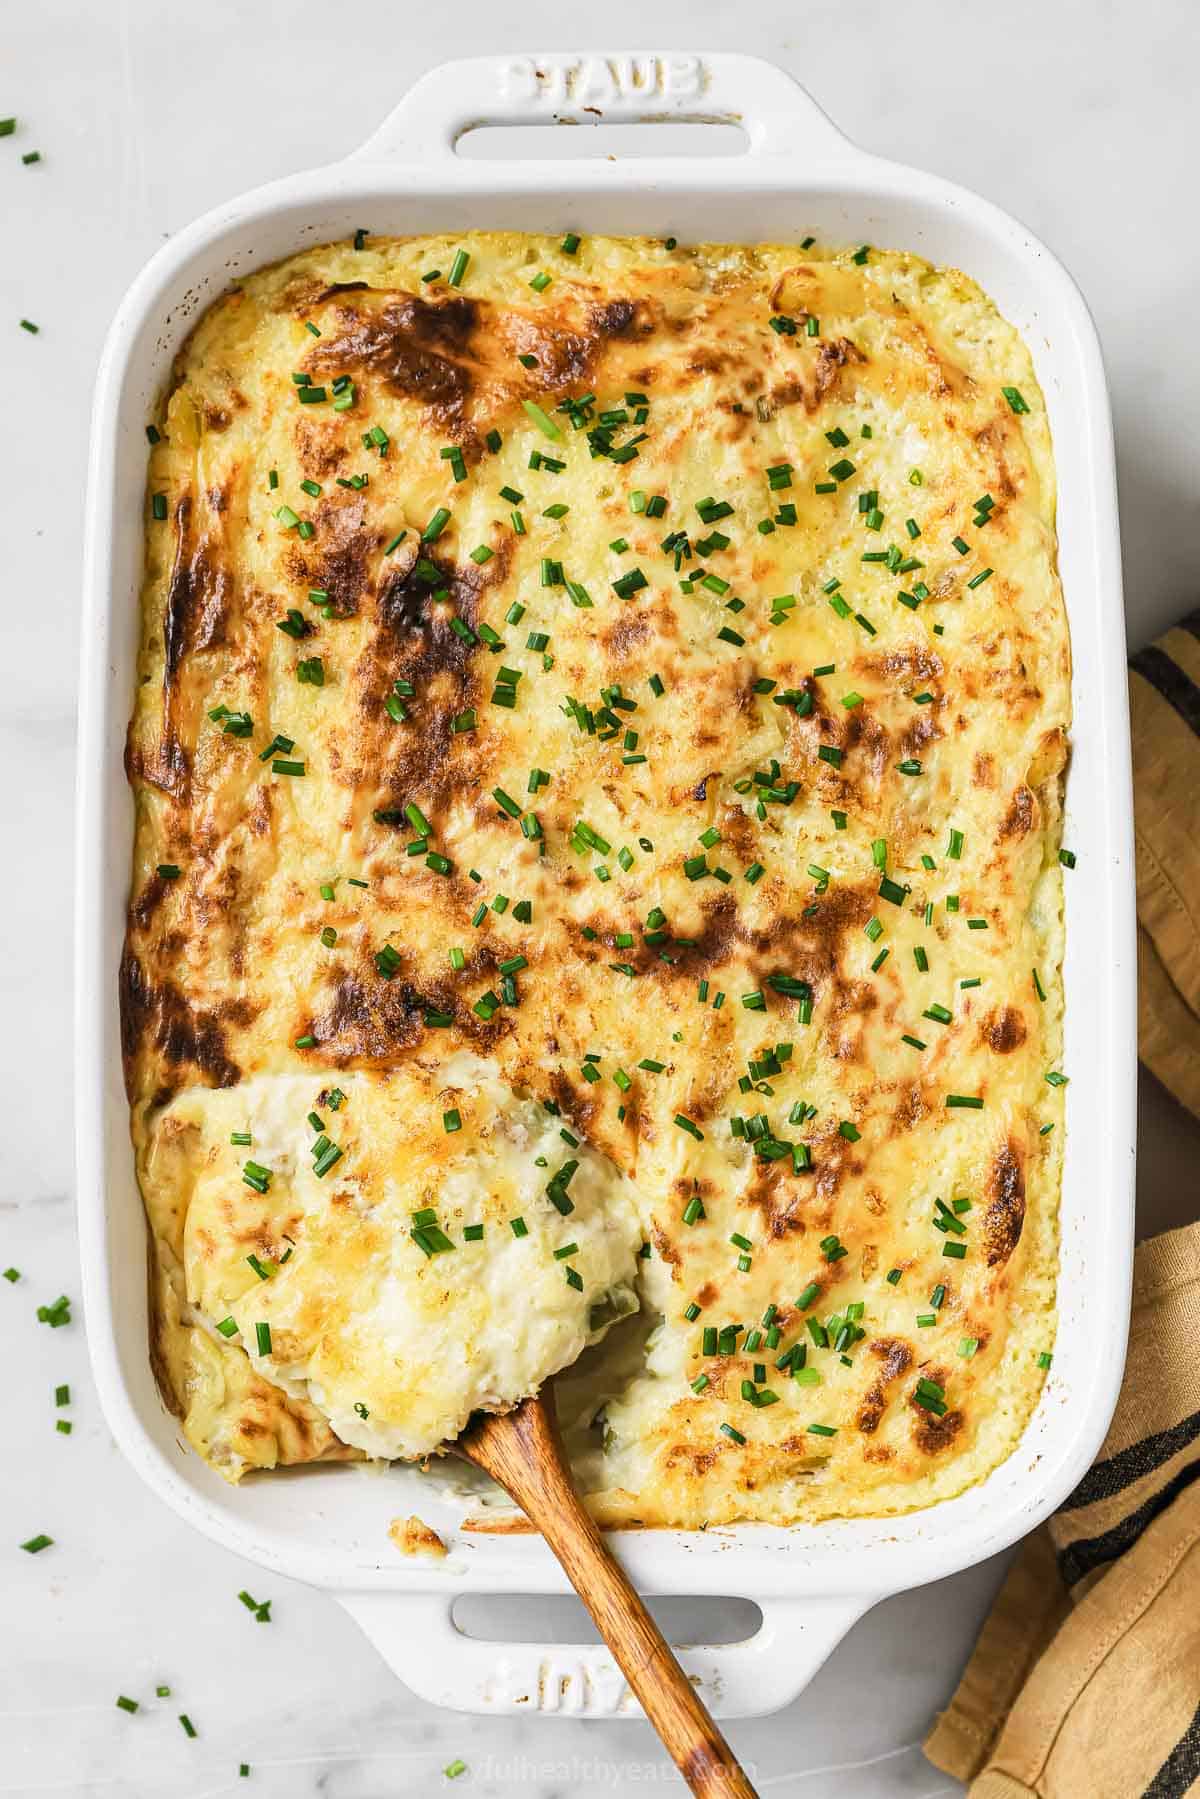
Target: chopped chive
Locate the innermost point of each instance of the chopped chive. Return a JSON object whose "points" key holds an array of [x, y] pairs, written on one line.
{"points": [[541, 419]]}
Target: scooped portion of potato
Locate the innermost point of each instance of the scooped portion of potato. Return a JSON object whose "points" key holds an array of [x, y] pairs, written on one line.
{"points": [[399, 1249]]}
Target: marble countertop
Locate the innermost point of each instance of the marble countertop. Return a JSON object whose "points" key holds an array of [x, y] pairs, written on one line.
{"points": [[1079, 119]]}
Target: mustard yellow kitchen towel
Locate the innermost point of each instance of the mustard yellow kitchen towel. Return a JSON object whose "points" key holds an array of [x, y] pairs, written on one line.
{"points": [[1085, 1681], [1164, 706]]}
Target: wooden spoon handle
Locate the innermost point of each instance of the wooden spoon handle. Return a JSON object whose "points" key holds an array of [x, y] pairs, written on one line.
{"points": [[522, 1450]]}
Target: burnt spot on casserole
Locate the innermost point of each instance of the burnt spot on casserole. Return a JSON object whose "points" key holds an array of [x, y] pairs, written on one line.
{"points": [[157, 1015], [895, 1358], [1004, 1213], [1003, 1030], [199, 593]]}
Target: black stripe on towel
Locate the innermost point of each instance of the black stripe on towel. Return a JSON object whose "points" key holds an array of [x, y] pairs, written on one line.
{"points": [[1078, 1559], [1168, 679], [1181, 1768], [1107, 1478]]}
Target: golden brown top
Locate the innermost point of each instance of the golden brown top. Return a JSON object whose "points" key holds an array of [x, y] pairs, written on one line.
{"points": [[642, 668]]}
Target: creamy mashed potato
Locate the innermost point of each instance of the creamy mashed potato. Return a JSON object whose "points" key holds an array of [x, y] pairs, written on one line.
{"points": [[332, 1272], [640, 670]]}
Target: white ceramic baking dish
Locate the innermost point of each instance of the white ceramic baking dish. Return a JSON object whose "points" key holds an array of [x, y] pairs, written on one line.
{"points": [[797, 175]]}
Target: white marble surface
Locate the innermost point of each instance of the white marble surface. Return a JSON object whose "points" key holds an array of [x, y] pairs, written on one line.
{"points": [[1079, 117]]}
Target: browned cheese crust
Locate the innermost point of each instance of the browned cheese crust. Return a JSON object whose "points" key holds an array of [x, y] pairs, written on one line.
{"points": [[784, 724]]}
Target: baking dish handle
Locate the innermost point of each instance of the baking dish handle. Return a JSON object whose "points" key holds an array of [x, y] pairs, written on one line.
{"points": [[418, 1638], [778, 116]]}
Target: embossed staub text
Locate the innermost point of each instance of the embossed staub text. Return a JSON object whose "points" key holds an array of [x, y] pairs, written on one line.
{"points": [[610, 82]]}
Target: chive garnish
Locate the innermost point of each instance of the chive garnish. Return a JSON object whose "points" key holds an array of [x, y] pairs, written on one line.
{"points": [[541, 419]]}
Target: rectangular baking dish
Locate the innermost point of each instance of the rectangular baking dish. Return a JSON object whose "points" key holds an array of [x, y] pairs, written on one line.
{"points": [[797, 175]]}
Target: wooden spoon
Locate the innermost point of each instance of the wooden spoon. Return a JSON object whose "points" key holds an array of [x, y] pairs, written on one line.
{"points": [[523, 1451]]}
